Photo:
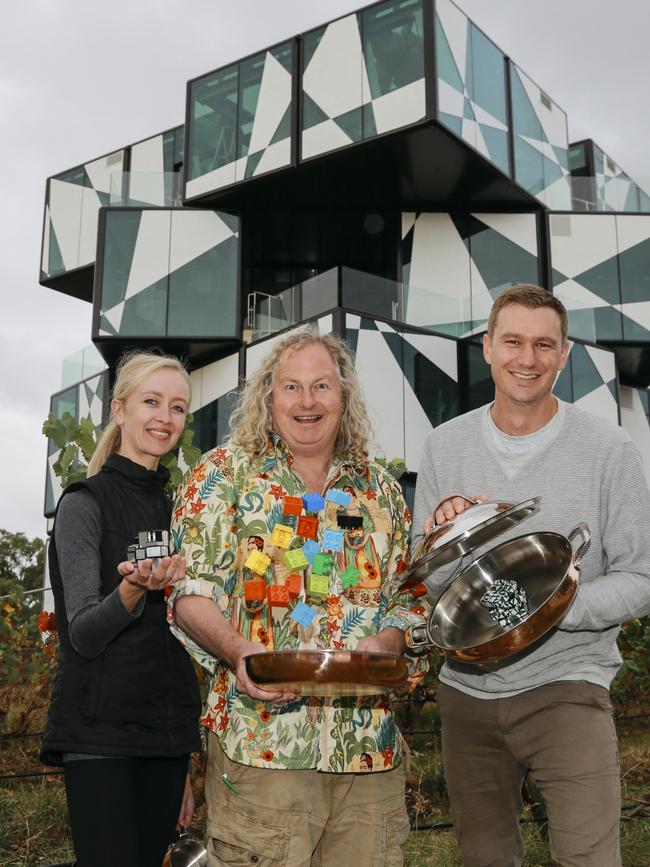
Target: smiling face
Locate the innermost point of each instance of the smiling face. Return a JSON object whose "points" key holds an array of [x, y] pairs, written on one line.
{"points": [[307, 402], [152, 417], [525, 353]]}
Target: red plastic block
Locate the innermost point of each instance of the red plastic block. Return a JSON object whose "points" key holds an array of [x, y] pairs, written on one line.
{"points": [[307, 527], [278, 595], [292, 506], [293, 583], [254, 591]]}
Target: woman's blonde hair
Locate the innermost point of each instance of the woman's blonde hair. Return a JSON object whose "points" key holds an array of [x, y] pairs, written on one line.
{"points": [[132, 369], [251, 423]]}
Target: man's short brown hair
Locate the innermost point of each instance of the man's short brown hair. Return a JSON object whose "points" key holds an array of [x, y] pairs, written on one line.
{"points": [[531, 296]]}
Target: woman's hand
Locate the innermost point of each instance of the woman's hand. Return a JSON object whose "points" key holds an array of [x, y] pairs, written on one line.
{"points": [[187, 806], [169, 571]]}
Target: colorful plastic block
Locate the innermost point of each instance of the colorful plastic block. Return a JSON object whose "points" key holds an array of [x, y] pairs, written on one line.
{"points": [[350, 578], [303, 614], [278, 595], [349, 522], [292, 506], [334, 495], [307, 527], [310, 549], [318, 585], [332, 540], [257, 562], [281, 536], [254, 590], [296, 559], [313, 502], [293, 583], [322, 564]]}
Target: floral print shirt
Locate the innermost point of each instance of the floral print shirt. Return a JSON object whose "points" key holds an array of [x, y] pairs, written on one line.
{"points": [[224, 517]]}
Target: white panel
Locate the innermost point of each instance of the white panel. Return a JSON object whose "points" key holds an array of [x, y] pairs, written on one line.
{"points": [[151, 255], [352, 321], [147, 172], [83, 407], [600, 402], [557, 195], [196, 380], [416, 428], [90, 205], [408, 221], [400, 107], [439, 350], [482, 300], [383, 386], [257, 352], [65, 214], [591, 240], [45, 256], [274, 157], [604, 361], [323, 137], [224, 176], [336, 76], [635, 422], [326, 324], [454, 23], [521, 229], [632, 230], [576, 297], [274, 99], [450, 101], [114, 316], [487, 119], [194, 233], [639, 311], [219, 378], [100, 171], [553, 121]]}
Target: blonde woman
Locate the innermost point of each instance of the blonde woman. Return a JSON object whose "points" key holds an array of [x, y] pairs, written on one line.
{"points": [[285, 779], [124, 710]]}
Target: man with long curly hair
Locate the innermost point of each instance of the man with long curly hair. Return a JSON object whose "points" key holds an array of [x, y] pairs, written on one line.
{"points": [[293, 780]]}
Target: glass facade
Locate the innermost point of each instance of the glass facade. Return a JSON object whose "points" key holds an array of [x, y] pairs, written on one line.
{"points": [[240, 120], [169, 272]]}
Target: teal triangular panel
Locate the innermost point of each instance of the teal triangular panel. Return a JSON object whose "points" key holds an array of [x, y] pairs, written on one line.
{"points": [[558, 277], [525, 120], [284, 55], [350, 123], [312, 114], [104, 198], [230, 220], [468, 111], [252, 163], [55, 263], [562, 388], [562, 156], [497, 145], [634, 265], [105, 325], [585, 375], [369, 125], [633, 331], [455, 124], [447, 69], [611, 385], [284, 127], [603, 280]]}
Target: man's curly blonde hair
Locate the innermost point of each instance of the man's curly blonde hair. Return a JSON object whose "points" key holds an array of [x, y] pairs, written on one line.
{"points": [[251, 423]]}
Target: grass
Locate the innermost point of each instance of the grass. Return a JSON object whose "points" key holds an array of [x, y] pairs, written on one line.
{"points": [[33, 816]]}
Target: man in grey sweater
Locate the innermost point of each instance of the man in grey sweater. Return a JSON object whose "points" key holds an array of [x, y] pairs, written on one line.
{"points": [[547, 709]]}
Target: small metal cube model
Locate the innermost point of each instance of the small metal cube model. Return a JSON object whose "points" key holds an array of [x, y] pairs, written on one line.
{"points": [[293, 583], [292, 506], [334, 495], [332, 540], [278, 595], [318, 585], [350, 578], [307, 527], [281, 536], [149, 545], [323, 564], [257, 562]]}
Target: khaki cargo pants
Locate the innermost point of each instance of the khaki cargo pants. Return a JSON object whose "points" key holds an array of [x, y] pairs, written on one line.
{"points": [[281, 818], [563, 733]]}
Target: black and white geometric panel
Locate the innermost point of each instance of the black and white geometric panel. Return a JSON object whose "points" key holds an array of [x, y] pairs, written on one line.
{"points": [[541, 142], [454, 266], [214, 391], [87, 399], [615, 190], [471, 84], [257, 352], [410, 383], [363, 75], [601, 272], [169, 272], [71, 211], [589, 381], [635, 418]]}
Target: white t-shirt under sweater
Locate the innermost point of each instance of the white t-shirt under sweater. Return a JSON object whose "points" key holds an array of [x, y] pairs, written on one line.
{"points": [[584, 469]]}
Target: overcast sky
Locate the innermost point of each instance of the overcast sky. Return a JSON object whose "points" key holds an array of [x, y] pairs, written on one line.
{"points": [[79, 78]]}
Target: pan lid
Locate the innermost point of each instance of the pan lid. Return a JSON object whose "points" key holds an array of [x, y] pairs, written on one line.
{"points": [[477, 526]]}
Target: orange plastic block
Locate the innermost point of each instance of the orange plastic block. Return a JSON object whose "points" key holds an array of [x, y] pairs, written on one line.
{"points": [[293, 583], [254, 590], [307, 527], [281, 536], [318, 585], [278, 595], [257, 562], [292, 506]]}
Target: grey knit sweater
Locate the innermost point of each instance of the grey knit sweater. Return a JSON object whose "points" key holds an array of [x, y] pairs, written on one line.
{"points": [[590, 472]]}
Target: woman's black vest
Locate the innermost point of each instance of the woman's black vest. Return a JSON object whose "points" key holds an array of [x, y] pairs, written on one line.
{"points": [[140, 696]]}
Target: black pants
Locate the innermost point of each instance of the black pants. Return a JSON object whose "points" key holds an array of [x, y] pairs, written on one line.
{"points": [[123, 811]]}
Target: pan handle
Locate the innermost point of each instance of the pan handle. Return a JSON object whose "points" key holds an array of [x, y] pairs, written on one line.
{"points": [[583, 533]]}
